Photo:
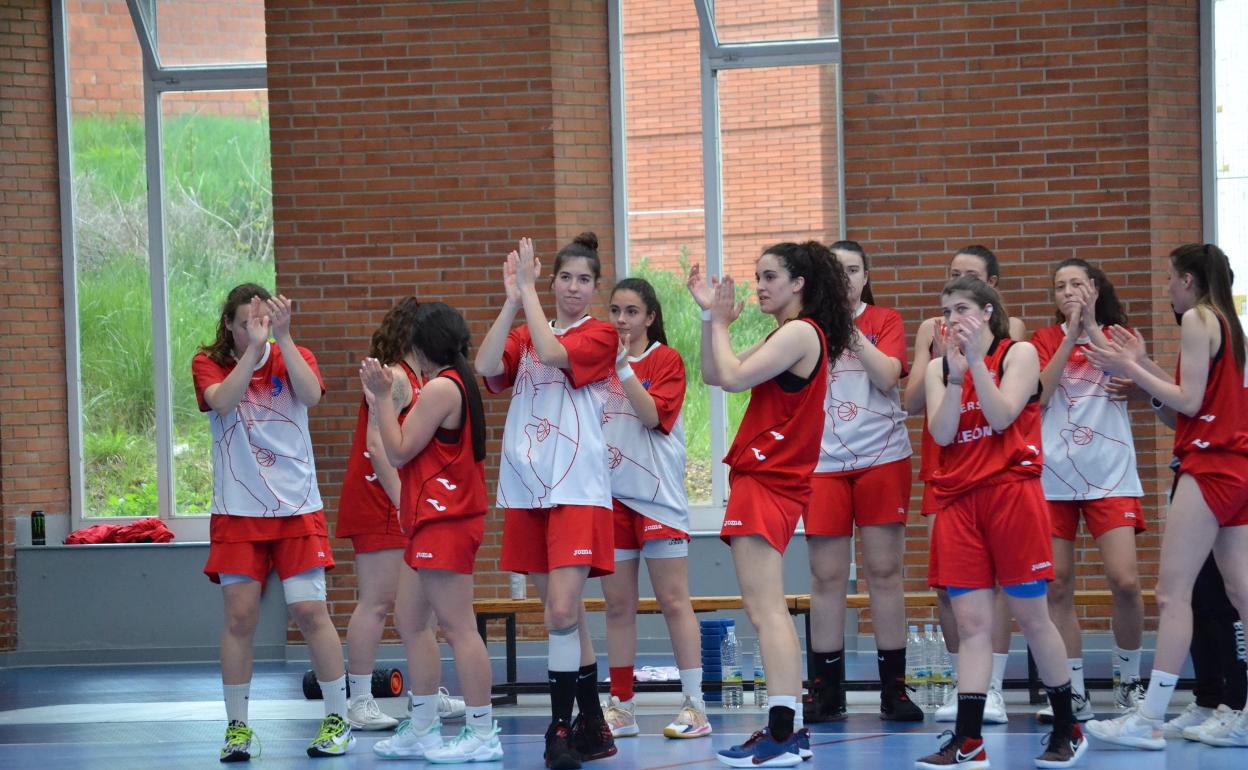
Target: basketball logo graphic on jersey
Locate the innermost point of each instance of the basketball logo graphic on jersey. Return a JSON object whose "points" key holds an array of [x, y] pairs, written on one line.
{"points": [[436, 505], [449, 486]]}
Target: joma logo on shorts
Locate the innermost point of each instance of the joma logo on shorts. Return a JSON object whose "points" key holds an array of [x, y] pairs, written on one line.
{"points": [[423, 555], [653, 527], [583, 552], [1041, 565], [732, 523]]}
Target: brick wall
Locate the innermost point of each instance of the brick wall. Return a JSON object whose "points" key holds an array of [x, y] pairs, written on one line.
{"points": [[34, 469], [413, 144]]}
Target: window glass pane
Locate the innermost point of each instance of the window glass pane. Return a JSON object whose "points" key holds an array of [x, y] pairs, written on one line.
{"points": [[202, 32], [666, 224], [742, 21], [1231, 136], [110, 229], [780, 172], [219, 230]]}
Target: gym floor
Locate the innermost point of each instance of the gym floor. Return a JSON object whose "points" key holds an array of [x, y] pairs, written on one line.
{"points": [[171, 717]]}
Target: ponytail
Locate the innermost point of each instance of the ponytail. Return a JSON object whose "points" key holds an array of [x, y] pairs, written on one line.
{"points": [[1211, 269], [440, 333]]}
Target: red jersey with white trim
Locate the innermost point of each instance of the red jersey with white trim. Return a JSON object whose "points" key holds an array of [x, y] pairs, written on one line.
{"points": [[778, 441], [864, 426], [554, 452], [262, 461], [363, 504], [648, 464], [1221, 425], [1089, 450], [444, 481], [980, 456]]}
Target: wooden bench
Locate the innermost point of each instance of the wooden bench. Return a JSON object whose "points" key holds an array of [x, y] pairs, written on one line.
{"points": [[798, 604]]}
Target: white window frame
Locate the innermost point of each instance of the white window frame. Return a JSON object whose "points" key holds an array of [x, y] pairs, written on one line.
{"points": [[158, 79], [715, 57]]}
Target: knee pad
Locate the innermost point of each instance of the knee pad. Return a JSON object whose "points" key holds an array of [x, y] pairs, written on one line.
{"points": [[308, 586]]}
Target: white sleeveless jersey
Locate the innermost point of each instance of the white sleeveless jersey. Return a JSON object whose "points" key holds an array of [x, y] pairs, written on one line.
{"points": [[554, 452], [648, 464], [1089, 451], [864, 426]]}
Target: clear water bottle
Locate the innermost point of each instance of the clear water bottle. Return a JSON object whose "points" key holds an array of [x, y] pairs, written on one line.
{"points": [[944, 667], [935, 696], [914, 663], [760, 678], [730, 661]]}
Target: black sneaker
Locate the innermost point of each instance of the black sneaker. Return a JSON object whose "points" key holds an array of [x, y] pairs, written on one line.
{"points": [[824, 703], [559, 754], [591, 738], [896, 706]]}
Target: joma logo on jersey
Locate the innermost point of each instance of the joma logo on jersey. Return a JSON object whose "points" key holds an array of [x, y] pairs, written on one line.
{"points": [[974, 434]]}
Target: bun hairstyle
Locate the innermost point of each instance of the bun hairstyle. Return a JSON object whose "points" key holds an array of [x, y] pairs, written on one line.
{"points": [[651, 300], [584, 246], [854, 247], [221, 349], [440, 333], [992, 267], [825, 293], [986, 297], [1109, 310], [393, 339], [1211, 269]]}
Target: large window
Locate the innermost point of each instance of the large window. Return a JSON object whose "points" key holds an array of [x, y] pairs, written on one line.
{"points": [[1227, 223], [164, 129], [728, 126]]}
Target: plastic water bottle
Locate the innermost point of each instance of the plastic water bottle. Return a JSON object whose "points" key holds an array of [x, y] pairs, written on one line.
{"points": [[730, 660], [914, 662], [760, 678], [944, 665]]}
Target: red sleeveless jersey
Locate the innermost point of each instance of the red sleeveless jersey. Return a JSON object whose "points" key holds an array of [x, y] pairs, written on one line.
{"points": [[444, 481], [779, 438], [1221, 425], [980, 456], [364, 508]]}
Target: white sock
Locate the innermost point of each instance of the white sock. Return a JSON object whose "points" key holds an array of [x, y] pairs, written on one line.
{"points": [[1160, 690], [1128, 664], [1076, 676], [799, 719], [335, 694], [999, 659], [422, 710], [480, 719], [361, 685], [563, 651], [236, 697], [691, 683]]}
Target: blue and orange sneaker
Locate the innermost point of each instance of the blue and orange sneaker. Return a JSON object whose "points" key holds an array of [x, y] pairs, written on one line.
{"points": [[761, 750]]}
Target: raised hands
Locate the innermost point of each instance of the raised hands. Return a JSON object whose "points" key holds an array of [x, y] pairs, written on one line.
{"points": [[527, 266], [724, 305], [258, 323], [1122, 348], [377, 379], [279, 309], [703, 293]]}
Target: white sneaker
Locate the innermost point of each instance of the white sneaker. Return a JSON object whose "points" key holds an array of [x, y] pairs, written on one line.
{"points": [[409, 744], [364, 714], [1081, 704], [620, 719], [948, 711], [449, 708], [468, 746], [1192, 718], [994, 709], [1132, 729], [1231, 731], [1129, 694], [691, 722]]}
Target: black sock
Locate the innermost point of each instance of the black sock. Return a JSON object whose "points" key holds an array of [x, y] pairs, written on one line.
{"points": [[587, 692], [1063, 710], [971, 713], [562, 694], [892, 664], [780, 722], [830, 668]]}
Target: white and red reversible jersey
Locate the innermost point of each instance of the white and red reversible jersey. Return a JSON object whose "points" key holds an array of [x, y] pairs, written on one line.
{"points": [[648, 464], [363, 504], [864, 426], [444, 481], [778, 441], [262, 462], [980, 456], [554, 452], [1089, 451], [1221, 425]]}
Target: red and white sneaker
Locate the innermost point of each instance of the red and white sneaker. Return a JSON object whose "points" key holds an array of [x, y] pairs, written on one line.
{"points": [[959, 752]]}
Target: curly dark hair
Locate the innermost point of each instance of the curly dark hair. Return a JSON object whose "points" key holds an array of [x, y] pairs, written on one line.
{"points": [[221, 349], [1109, 310], [825, 293], [393, 339]]}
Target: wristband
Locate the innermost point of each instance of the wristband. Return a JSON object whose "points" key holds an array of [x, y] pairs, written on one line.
{"points": [[625, 373], [1157, 404], [706, 315]]}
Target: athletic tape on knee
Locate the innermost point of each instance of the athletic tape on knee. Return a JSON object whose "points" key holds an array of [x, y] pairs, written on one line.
{"points": [[564, 649], [308, 586]]}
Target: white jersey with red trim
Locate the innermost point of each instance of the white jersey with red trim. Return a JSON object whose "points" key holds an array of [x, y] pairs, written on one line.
{"points": [[1089, 451], [262, 461], [648, 464], [554, 452], [864, 426]]}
